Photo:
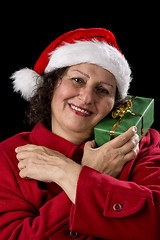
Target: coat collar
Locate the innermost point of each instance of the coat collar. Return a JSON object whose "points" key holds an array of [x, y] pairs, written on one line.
{"points": [[41, 136]]}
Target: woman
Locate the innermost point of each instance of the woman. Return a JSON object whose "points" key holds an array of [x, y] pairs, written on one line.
{"points": [[55, 183]]}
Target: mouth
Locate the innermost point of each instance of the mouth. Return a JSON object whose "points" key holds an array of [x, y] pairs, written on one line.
{"points": [[80, 111]]}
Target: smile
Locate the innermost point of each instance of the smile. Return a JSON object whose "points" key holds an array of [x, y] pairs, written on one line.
{"points": [[81, 111]]}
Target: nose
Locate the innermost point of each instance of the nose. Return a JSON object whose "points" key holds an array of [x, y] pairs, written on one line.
{"points": [[86, 96]]}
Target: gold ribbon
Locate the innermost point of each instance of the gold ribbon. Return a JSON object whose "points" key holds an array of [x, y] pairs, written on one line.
{"points": [[120, 111]]}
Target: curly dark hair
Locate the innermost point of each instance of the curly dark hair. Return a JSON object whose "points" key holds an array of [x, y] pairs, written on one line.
{"points": [[40, 104], [39, 109]]}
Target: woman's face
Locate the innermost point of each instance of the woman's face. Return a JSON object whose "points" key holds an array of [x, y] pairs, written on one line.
{"points": [[85, 95]]}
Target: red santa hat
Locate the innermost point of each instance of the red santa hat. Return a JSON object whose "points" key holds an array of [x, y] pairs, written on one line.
{"points": [[95, 45]]}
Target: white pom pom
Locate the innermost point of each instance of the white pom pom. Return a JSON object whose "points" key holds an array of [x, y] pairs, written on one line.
{"points": [[25, 82]]}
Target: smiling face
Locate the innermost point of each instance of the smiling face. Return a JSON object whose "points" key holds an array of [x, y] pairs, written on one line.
{"points": [[84, 96]]}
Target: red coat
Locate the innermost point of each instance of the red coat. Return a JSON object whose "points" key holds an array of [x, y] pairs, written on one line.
{"points": [[106, 208]]}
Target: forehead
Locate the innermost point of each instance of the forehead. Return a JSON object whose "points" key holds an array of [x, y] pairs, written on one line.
{"points": [[89, 70]]}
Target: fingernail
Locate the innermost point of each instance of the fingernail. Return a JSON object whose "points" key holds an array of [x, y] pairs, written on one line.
{"points": [[16, 149], [134, 129]]}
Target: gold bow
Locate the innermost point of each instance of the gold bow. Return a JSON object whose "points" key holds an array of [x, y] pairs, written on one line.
{"points": [[120, 111]]}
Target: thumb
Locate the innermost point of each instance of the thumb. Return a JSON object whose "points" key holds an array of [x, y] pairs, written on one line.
{"points": [[90, 144]]}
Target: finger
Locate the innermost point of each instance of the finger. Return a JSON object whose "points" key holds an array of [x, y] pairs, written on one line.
{"points": [[36, 172], [23, 173], [130, 145], [132, 154], [24, 155], [90, 144], [124, 137], [27, 147], [20, 156], [21, 165]]}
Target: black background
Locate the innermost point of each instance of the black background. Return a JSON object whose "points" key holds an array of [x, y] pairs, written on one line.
{"points": [[26, 30]]}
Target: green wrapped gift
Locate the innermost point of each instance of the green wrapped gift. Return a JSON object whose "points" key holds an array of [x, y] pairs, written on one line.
{"points": [[136, 111]]}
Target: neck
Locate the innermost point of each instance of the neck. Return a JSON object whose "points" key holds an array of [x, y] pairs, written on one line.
{"points": [[76, 138]]}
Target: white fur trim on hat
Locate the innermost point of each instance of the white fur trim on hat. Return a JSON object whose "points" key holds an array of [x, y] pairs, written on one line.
{"points": [[95, 52], [25, 82]]}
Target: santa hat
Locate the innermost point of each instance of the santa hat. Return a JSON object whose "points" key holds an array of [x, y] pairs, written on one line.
{"points": [[95, 45]]}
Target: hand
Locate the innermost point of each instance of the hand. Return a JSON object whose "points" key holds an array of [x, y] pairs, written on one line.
{"points": [[40, 163], [112, 156], [43, 164]]}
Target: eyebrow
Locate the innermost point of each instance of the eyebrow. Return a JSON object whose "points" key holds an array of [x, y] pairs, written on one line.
{"points": [[84, 74], [109, 84]]}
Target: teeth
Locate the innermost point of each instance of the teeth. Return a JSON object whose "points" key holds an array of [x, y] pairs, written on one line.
{"points": [[80, 110]]}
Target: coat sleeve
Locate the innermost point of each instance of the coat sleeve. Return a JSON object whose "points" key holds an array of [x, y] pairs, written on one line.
{"points": [[111, 208], [25, 217]]}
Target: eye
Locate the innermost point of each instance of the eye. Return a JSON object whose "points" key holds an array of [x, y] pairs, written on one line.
{"points": [[102, 91], [78, 81]]}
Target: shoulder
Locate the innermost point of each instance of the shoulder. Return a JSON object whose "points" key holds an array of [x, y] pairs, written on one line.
{"points": [[8, 160], [150, 149], [152, 139], [15, 141]]}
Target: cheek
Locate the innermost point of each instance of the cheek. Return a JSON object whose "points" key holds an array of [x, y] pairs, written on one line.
{"points": [[61, 93], [105, 107]]}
